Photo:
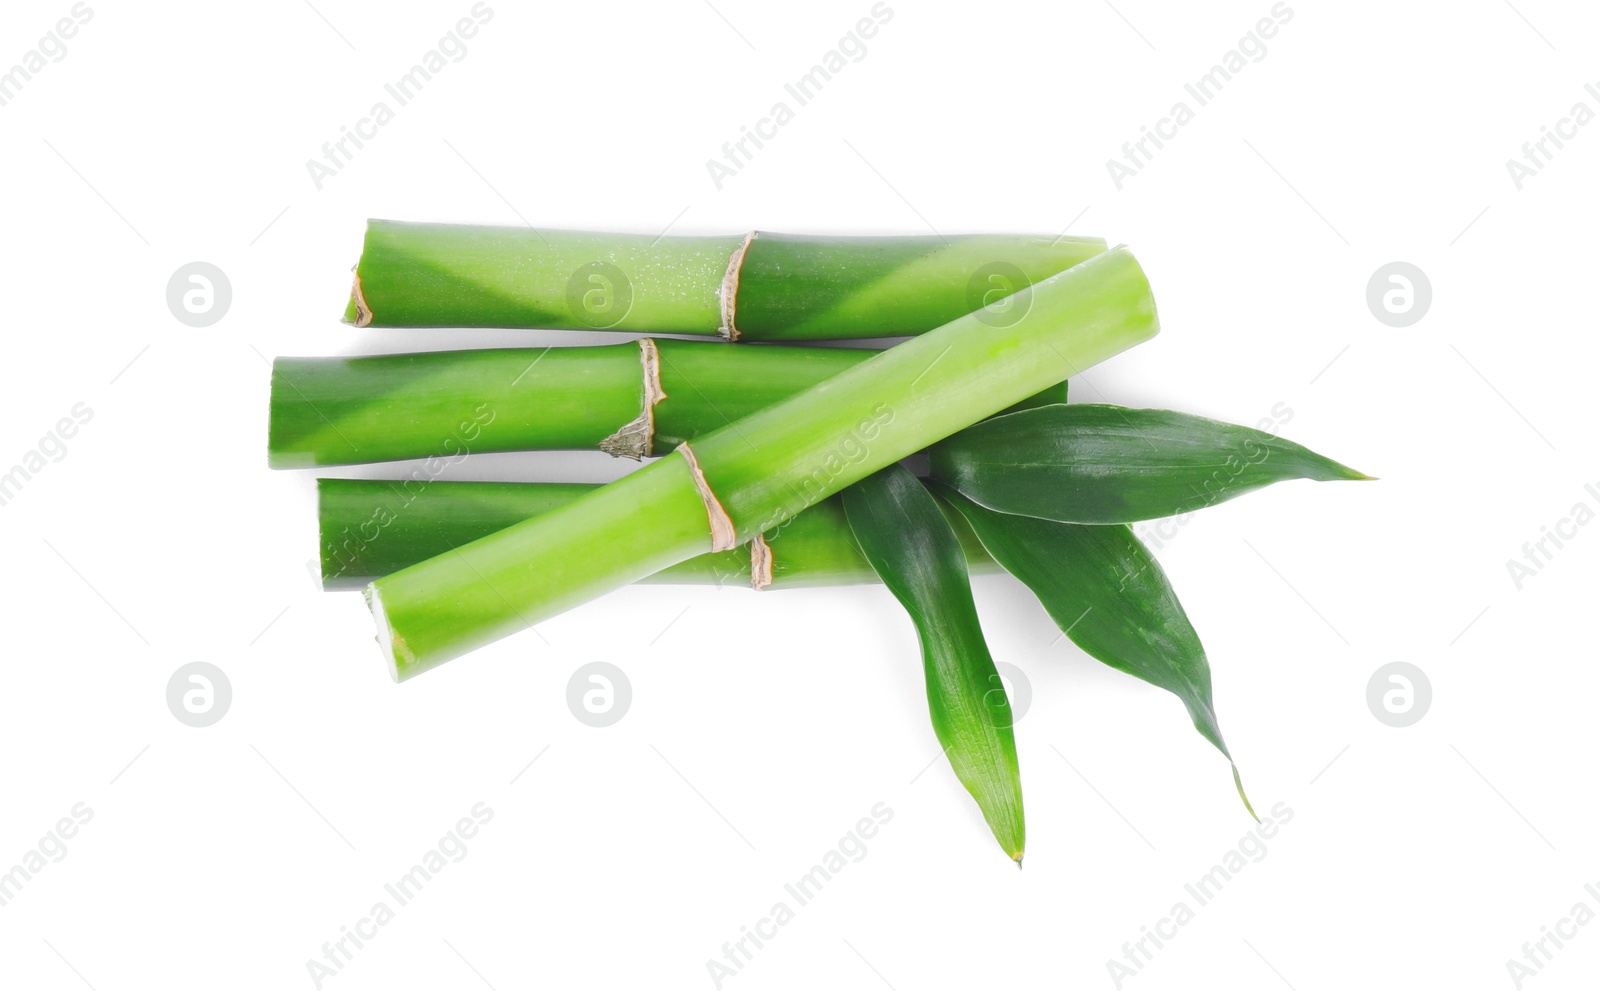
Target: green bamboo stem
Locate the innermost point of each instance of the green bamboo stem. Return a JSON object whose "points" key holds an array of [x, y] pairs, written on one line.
{"points": [[757, 287], [371, 528], [634, 400], [754, 474]]}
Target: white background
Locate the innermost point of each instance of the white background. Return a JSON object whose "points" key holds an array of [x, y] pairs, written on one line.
{"points": [[763, 726]]}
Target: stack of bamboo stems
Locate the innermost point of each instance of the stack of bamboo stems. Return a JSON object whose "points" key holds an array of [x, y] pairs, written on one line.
{"points": [[770, 463]]}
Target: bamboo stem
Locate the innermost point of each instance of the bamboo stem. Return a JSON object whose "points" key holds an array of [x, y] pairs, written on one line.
{"points": [[758, 287], [333, 411], [634, 400], [754, 474], [371, 528]]}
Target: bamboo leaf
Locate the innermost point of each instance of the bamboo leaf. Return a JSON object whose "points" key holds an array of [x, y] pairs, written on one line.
{"points": [[1109, 595], [1093, 463], [903, 533]]}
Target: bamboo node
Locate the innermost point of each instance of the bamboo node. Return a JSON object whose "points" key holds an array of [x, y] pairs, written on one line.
{"points": [[636, 439], [723, 537], [760, 563], [633, 440], [729, 291]]}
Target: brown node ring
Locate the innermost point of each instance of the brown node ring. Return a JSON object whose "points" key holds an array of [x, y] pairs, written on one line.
{"points": [[728, 293], [723, 537], [636, 439]]}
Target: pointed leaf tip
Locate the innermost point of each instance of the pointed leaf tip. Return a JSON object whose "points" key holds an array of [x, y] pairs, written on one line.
{"points": [[1110, 596], [1237, 783], [1096, 463], [904, 534]]}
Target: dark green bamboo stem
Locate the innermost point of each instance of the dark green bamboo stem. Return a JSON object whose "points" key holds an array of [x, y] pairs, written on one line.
{"points": [[636, 399], [373, 528], [758, 287]]}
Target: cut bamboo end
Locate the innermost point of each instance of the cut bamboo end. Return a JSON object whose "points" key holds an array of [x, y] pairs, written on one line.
{"points": [[392, 644], [358, 312]]}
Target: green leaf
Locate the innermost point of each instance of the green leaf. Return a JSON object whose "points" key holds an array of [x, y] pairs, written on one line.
{"points": [[1109, 595], [1092, 463], [904, 534]]}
